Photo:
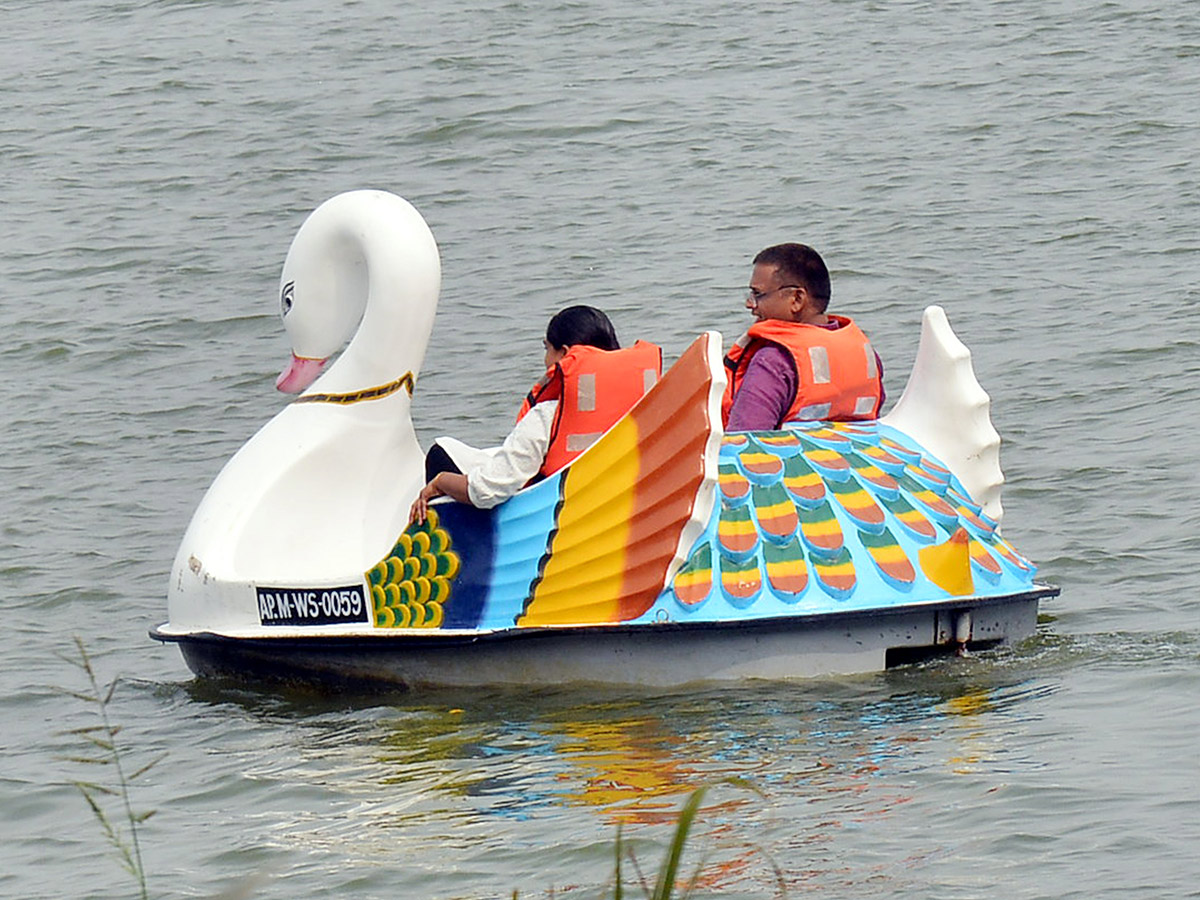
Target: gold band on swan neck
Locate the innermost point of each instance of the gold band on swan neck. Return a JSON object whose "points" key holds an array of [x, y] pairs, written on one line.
{"points": [[405, 381]]}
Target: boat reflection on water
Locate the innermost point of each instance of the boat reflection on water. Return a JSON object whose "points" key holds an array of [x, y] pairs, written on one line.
{"points": [[835, 771]]}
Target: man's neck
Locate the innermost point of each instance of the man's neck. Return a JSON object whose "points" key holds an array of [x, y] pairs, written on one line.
{"points": [[816, 319]]}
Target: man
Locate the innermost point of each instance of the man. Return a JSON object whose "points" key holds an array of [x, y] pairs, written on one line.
{"points": [[797, 362]]}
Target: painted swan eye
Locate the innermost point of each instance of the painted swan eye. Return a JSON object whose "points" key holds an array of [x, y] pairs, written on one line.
{"points": [[285, 298]]}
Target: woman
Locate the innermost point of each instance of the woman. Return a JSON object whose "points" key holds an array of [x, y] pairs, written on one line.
{"points": [[590, 382]]}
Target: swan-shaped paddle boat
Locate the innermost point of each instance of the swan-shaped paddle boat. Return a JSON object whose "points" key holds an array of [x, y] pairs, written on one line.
{"points": [[668, 553]]}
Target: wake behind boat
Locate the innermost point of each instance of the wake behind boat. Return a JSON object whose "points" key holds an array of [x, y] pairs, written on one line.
{"points": [[668, 553]]}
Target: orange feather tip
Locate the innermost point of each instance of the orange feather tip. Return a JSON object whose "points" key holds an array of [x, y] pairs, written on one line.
{"points": [[837, 577], [741, 582]]}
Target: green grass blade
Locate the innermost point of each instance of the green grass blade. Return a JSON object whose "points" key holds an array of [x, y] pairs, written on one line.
{"points": [[619, 890], [86, 698], [100, 742], [637, 870], [666, 878], [86, 760], [148, 766], [88, 787]]}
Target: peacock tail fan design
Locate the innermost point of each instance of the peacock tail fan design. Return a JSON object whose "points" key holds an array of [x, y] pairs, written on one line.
{"points": [[822, 516]]}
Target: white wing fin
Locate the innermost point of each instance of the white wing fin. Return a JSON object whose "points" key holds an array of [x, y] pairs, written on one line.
{"points": [[945, 410]]}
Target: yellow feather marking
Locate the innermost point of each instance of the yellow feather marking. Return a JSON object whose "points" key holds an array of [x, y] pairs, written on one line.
{"points": [[756, 461], [775, 510], [691, 579], [833, 570], [823, 528], [826, 458], [802, 480], [892, 554], [743, 527]]}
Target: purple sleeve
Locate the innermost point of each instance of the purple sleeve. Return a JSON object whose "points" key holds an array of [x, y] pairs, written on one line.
{"points": [[766, 393]]}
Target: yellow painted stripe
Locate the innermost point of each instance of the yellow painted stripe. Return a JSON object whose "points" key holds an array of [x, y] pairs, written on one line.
{"points": [[983, 558], [741, 528], [585, 571], [912, 517], [822, 528], [776, 510], [808, 479], [762, 463], [835, 571], [741, 583], [691, 579], [831, 459], [785, 571], [889, 555]]}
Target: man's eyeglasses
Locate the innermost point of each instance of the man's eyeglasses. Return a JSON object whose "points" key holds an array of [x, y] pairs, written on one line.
{"points": [[757, 297]]}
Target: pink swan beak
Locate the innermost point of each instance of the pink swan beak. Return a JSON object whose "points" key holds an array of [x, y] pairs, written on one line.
{"points": [[299, 374]]}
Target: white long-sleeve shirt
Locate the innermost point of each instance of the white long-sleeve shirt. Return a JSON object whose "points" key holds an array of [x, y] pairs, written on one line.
{"points": [[496, 473]]}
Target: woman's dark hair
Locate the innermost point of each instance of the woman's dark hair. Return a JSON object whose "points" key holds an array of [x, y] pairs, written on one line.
{"points": [[581, 325]]}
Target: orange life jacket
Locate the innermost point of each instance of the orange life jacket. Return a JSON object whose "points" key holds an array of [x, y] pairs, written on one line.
{"points": [[594, 388], [837, 372]]}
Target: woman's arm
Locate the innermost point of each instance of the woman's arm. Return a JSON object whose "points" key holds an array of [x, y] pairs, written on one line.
{"points": [[507, 470], [444, 484], [515, 461]]}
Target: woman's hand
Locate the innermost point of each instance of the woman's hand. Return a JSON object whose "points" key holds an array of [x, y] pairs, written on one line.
{"points": [[444, 484], [420, 507]]}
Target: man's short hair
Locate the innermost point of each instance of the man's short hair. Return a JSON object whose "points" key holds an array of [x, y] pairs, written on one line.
{"points": [[801, 265]]}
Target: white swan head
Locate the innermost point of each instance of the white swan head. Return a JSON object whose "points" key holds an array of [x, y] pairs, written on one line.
{"points": [[365, 260], [324, 486]]}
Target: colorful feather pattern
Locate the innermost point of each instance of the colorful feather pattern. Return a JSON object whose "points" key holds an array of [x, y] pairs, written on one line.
{"points": [[889, 558], [735, 487], [694, 582], [842, 506], [805, 486], [787, 571], [411, 585], [775, 513]]}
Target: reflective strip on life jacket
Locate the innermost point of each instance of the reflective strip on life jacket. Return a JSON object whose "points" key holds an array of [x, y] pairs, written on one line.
{"points": [[577, 443], [837, 374], [594, 388]]}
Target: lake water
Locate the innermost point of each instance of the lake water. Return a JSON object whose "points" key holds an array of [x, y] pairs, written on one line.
{"points": [[1031, 166]]}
